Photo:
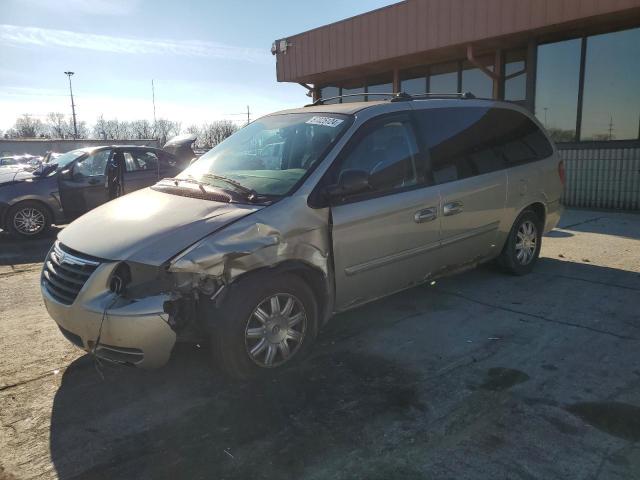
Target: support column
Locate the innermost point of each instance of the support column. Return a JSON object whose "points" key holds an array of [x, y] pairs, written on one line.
{"points": [[396, 80], [498, 79], [532, 68]]}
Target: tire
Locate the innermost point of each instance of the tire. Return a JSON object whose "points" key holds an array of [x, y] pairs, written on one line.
{"points": [[246, 342], [522, 249], [28, 219]]}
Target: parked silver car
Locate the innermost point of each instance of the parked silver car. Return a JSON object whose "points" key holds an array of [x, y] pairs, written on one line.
{"points": [[364, 199]]}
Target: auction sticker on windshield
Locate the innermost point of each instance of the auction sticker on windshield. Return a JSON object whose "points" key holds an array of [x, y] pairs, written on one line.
{"points": [[326, 121]]}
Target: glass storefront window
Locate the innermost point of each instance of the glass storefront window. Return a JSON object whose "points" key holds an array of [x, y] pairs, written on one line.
{"points": [[350, 91], [476, 81], [444, 78], [379, 88], [611, 100], [414, 86], [328, 92], [557, 83], [515, 88]]}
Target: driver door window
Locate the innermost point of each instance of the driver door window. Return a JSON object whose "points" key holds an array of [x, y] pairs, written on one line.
{"points": [[92, 166], [388, 153]]}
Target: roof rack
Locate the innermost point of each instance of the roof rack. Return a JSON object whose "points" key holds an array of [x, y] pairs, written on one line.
{"points": [[398, 97]]}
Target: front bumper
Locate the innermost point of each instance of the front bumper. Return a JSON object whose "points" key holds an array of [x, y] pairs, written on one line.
{"points": [[133, 331]]}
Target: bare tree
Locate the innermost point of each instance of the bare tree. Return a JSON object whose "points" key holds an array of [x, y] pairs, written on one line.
{"points": [[141, 129], [28, 127], [99, 128], [57, 126], [164, 129], [211, 134]]}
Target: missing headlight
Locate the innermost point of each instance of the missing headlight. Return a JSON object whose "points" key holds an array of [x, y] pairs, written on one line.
{"points": [[120, 278]]}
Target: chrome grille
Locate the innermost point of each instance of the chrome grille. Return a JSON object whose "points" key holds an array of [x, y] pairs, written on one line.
{"points": [[65, 272]]}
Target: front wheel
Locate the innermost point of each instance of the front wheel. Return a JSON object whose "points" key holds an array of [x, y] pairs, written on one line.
{"points": [[522, 249], [28, 219], [264, 324]]}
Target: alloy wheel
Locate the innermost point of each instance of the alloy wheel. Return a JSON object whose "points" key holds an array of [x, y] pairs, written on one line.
{"points": [[29, 221], [275, 330], [526, 242]]}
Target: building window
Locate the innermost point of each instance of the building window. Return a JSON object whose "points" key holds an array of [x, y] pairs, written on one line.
{"points": [[475, 80], [328, 92], [380, 88], [557, 84], [610, 95], [414, 80], [444, 78], [353, 91], [611, 100], [515, 87]]}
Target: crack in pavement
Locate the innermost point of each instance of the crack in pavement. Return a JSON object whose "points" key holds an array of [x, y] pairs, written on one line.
{"points": [[539, 317], [33, 379], [596, 282], [590, 220]]}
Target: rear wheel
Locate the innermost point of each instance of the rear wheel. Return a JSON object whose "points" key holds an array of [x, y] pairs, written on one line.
{"points": [[28, 219], [265, 324], [522, 249]]}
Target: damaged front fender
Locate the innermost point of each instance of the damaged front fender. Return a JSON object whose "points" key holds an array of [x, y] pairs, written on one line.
{"points": [[288, 230]]}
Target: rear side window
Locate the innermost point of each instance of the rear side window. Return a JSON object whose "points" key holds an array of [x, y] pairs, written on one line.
{"points": [[464, 142], [137, 160]]}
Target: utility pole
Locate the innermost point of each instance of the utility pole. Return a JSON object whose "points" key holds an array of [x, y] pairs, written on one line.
{"points": [[73, 107], [610, 126], [248, 116], [153, 96]]}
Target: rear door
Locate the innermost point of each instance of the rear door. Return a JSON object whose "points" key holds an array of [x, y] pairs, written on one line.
{"points": [[86, 186], [469, 169], [383, 239], [141, 168]]}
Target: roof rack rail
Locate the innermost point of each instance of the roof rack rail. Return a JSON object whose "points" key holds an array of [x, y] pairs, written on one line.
{"points": [[397, 97]]}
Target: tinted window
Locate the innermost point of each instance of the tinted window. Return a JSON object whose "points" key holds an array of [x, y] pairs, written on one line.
{"points": [[464, 142], [476, 81], [611, 105], [330, 92], [379, 88], [388, 153], [515, 88], [444, 78], [353, 91], [557, 82], [95, 164]]}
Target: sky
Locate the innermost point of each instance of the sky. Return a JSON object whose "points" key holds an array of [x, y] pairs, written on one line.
{"points": [[208, 59]]}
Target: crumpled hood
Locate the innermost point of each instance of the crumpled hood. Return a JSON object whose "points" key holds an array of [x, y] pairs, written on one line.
{"points": [[149, 226]]}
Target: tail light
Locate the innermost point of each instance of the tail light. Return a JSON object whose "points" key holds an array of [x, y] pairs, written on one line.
{"points": [[561, 172]]}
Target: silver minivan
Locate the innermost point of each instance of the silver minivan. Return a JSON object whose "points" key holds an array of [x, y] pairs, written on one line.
{"points": [[299, 215]]}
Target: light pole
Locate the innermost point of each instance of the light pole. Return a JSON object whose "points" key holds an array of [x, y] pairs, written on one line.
{"points": [[73, 107]]}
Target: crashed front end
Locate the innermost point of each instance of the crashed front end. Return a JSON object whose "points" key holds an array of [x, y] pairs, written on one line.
{"points": [[132, 312]]}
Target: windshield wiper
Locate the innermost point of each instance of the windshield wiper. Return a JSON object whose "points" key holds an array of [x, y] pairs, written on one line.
{"points": [[249, 192]]}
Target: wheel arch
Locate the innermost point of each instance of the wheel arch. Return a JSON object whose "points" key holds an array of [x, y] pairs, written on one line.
{"points": [[314, 277]]}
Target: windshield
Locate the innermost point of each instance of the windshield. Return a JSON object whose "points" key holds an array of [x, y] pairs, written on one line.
{"points": [[66, 158], [270, 155]]}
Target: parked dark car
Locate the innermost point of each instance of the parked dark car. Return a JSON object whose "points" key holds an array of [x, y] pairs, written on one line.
{"points": [[76, 182]]}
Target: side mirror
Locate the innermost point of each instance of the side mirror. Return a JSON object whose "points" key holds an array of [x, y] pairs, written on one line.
{"points": [[350, 182]]}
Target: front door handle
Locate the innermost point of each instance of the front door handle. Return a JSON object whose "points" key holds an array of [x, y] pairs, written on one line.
{"points": [[426, 215], [452, 208]]}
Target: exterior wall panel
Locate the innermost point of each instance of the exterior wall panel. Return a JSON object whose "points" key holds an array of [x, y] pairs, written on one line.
{"points": [[416, 26], [602, 177]]}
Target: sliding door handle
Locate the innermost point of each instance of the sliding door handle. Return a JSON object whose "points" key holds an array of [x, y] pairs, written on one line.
{"points": [[426, 215], [452, 208]]}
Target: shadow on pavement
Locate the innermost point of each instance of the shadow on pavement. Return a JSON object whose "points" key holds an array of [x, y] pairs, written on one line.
{"points": [[186, 421], [17, 251]]}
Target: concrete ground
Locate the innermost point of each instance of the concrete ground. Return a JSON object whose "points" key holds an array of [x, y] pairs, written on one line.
{"points": [[481, 375]]}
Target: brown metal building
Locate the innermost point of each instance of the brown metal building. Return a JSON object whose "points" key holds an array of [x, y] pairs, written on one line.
{"points": [[575, 63]]}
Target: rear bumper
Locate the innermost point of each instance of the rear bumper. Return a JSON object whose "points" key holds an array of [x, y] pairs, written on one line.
{"points": [[554, 212], [133, 332]]}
